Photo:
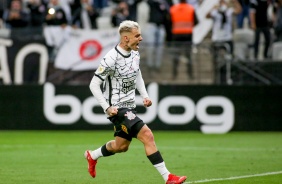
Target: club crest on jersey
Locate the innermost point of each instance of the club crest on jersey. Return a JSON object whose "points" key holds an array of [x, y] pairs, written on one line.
{"points": [[130, 115], [123, 127]]}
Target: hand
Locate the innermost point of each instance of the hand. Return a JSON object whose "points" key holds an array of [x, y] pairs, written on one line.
{"points": [[111, 111], [147, 102], [14, 15], [49, 16]]}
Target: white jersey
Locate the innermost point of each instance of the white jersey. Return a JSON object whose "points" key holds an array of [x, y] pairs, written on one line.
{"points": [[220, 31], [121, 76]]}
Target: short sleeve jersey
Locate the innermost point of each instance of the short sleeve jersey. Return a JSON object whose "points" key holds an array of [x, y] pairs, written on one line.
{"points": [[119, 74]]}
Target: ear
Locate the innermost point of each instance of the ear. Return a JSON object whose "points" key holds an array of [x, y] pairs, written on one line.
{"points": [[126, 38]]}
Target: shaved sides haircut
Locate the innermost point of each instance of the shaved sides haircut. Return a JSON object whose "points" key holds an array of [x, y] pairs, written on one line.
{"points": [[127, 26]]}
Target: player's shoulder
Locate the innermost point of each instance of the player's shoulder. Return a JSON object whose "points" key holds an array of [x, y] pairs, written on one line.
{"points": [[109, 58], [111, 53]]}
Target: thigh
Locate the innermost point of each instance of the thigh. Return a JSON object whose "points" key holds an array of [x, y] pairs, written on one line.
{"points": [[135, 129], [145, 134], [123, 123], [266, 33], [257, 35], [121, 142], [161, 39]]}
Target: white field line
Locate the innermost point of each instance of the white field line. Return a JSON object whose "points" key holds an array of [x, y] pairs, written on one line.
{"points": [[235, 177], [198, 148]]}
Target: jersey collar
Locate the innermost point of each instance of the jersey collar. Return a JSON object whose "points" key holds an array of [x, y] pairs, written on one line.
{"points": [[122, 52]]}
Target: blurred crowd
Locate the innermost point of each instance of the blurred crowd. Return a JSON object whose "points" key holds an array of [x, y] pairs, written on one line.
{"points": [[76, 13], [262, 15], [168, 21], [37, 13]]}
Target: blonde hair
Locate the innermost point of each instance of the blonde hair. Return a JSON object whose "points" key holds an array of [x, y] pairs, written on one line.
{"points": [[127, 26]]}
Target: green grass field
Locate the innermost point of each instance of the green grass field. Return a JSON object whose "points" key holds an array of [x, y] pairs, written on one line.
{"points": [[56, 157]]}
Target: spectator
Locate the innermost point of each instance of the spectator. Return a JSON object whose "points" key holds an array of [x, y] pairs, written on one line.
{"points": [[168, 25], [222, 31], [155, 32], [278, 20], [245, 4], [65, 5], [260, 24], [194, 3], [184, 18], [74, 5], [100, 4], [15, 16], [56, 31], [1, 13], [119, 14], [37, 12], [132, 8], [85, 16], [55, 14], [3, 6]]}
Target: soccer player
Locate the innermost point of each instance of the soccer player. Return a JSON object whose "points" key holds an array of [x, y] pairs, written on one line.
{"points": [[120, 74]]}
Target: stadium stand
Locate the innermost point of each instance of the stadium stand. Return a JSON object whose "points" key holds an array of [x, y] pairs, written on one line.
{"points": [[276, 51], [243, 40]]}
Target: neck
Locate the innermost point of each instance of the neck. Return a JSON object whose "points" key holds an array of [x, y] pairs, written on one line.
{"points": [[124, 46], [123, 51]]}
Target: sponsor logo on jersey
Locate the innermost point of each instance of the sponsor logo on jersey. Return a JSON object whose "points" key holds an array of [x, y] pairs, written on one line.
{"points": [[127, 86]]}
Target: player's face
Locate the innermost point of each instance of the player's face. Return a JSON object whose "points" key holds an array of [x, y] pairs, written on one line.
{"points": [[134, 38]]}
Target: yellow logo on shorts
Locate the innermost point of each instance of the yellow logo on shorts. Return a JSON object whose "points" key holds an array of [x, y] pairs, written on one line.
{"points": [[123, 127], [115, 128]]}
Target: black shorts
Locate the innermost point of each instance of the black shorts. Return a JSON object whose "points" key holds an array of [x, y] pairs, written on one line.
{"points": [[126, 123]]}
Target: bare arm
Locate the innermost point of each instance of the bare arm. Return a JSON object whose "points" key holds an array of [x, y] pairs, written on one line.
{"points": [[253, 19], [237, 7]]}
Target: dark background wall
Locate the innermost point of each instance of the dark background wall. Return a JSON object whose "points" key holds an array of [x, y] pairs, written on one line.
{"points": [[256, 108]]}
